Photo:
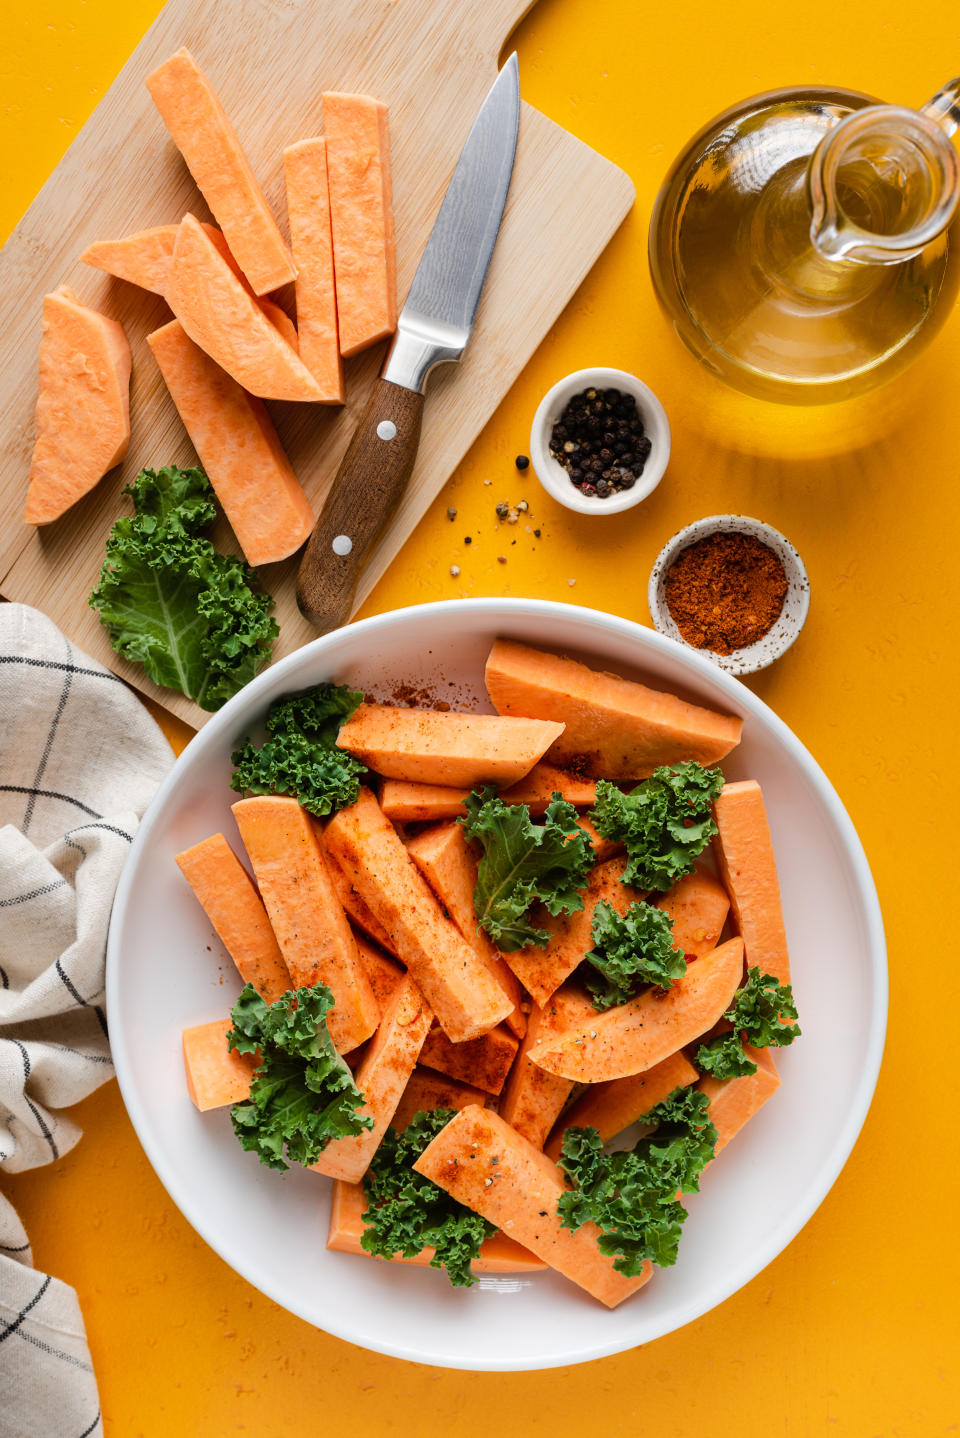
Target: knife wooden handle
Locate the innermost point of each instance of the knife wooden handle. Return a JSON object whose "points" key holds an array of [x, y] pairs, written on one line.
{"points": [[365, 492]]}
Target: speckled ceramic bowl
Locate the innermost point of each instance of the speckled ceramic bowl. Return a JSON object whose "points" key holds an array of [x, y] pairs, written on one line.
{"points": [[792, 617]]}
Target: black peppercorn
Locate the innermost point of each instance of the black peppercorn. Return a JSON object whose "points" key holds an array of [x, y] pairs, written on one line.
{"points": [[599, 440]]}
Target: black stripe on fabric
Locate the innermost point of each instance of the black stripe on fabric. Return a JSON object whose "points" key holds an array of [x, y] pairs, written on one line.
{"points": [[53, 664], [4, 980], [47, 1133], [14, 1248], [110, 828], [78, 1053], [84, 1003], [51, 736], [34, 894], [51, 794], [12, 1327], [87, 1431], [55, 1352]]}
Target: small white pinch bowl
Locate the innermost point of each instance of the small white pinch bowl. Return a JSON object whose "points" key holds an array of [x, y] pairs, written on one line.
{"points": [[552, 475], [779, 638]]}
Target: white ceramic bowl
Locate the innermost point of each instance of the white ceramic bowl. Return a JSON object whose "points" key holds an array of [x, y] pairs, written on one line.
{"points": [[792, 617], [554, 477], [166, 971]]}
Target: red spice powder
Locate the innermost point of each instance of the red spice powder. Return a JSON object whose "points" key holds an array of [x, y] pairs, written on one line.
{"points": [[725, 592]]}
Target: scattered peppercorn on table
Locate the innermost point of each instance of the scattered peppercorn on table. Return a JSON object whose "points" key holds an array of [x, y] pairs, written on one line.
{"points": [[851, 1331]]}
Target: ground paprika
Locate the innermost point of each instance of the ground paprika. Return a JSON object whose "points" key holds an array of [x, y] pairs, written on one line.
{"points": [[725, 591]]}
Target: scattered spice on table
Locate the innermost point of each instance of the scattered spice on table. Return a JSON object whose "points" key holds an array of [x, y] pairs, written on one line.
{"points": [[522, 461], [451, 513], [725, 591], [600, 441], [454, 570]]}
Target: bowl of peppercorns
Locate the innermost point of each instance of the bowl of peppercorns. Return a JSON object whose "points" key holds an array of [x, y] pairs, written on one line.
{"points": [[732, 587], [600, 441]]}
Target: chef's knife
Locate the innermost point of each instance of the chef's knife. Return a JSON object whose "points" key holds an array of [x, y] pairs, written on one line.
{"points": [[434, 326]]}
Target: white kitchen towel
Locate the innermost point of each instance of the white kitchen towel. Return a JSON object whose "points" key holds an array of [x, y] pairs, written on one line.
{"points": [[80, 760]]}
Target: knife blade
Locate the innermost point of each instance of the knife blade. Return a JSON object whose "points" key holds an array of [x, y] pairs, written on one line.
{"points": [[433, 328]]}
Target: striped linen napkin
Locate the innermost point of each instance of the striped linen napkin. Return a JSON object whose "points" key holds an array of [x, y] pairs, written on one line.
{"points": [[80, 759]]}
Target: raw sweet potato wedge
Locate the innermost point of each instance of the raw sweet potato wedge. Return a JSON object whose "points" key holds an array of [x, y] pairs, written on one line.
{"points": [[361, 211], [634, 1036], [311, 928], [498, 1253], [223, 317], [542, 970], [199, 127], [443, 856], [523, 1197], [483, 1062], [409, 803], [734, 1101], [458, 750], [614, 728], [216, 1076], [83, 405], [427, 1090], [229, 898], [308, 209], [698, 904], [238, 447], [745, 859], [387, 1064], [466, 999], [532, 1098], [612, 1107]]}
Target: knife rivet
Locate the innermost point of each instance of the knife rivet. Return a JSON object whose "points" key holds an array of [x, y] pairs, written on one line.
{"points": [[342, 544], [386, 429]]}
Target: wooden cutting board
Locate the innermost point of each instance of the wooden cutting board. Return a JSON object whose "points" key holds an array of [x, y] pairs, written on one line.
{"points": [[432, 62]]}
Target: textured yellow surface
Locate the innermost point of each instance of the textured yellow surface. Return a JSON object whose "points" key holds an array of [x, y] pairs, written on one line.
{"points": [[853, 1330]]}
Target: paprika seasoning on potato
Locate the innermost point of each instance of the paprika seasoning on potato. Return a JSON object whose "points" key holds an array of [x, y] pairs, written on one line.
{"points": [[725, 591]]}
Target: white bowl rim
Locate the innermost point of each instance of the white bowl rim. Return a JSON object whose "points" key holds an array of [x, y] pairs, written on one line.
{"points": [[771, 646], [554, 477], [830, 1168]]}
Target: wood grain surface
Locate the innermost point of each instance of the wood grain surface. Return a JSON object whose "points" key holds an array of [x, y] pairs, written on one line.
{"points": [[432, 62]]}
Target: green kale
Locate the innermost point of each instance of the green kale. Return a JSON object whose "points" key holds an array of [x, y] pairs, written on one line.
{"points": [[631, 951], [759, 1016], [300, 756], [302, 1094], [724, 1058], [407, 1213], [664, 823], [171, 602], [524, 862], [632, 1195]]}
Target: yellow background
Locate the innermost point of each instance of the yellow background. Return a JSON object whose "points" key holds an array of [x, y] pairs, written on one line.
{"points": [[853, 1331]]}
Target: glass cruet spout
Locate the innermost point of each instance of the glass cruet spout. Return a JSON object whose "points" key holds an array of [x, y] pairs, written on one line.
{"points": [[884, 182]]}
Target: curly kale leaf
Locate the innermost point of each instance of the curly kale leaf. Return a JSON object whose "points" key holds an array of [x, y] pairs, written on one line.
{"points": [[631, 950], [724, 1058], [407, 1213], [664, 823], [299, 756], [524, 862], [632, 1195], [191, 616], [302, 1094], [760, 1017]]}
